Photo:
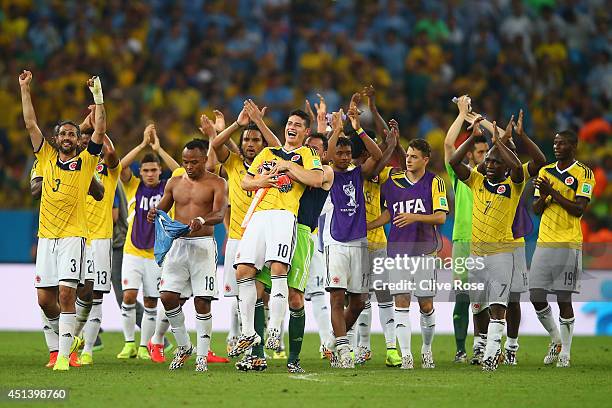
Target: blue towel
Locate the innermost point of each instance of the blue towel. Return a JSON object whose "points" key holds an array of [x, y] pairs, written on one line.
{"points": [[166, 231]]}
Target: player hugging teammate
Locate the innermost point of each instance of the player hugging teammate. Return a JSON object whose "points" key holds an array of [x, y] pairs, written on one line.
{"points": [[308, 211]]}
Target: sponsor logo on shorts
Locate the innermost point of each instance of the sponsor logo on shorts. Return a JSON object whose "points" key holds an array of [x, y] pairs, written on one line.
{"points": [[569, 180], [161, 282], [125, 281], [72, 166], [501, 189], [228, 288], [336, 280], [476, 306], [37, 279]]}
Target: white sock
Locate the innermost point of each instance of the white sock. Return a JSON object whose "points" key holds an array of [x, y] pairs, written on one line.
{"points": [[51, 334], [341, 342], [92, 327], [567, 331], [234, 320], [161, 326], [204, 331], [128, 318], [428, 328], [321, 315], [476, 342], [364, 325], [386, 315], [278, 302], [352, 338], [511, 344], [247, 296], [546, 318], [403, 330], [147, 326], [67, 323], [177, 323], [494, 336], [82, 314]]}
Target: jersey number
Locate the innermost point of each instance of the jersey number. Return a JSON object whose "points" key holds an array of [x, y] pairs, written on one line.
{"points": [[73, 268], [90, 268], [102, 276], [569, 279], [149, 202], [57, 185], [209, 283], [283, 250]]}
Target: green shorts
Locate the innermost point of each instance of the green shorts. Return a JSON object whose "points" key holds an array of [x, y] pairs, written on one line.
{"points": [[461, 252], [297, 277]]}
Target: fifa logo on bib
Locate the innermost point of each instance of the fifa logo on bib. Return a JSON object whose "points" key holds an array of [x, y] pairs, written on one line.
{"points": [[149, 202], [349, 190]]}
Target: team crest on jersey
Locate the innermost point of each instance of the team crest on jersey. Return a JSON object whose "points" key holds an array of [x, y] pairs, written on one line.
{"points": [[349, 190], [99, 168], [569, 180], [72, 166], [501, 189], [295, 158]]}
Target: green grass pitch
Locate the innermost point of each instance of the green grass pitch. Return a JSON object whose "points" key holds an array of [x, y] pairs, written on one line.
{"points": [[113, 383]]}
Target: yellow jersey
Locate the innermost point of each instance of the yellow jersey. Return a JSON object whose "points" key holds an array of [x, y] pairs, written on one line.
{"points": [[287, 198], [371, 191], [100, 213], [557, 225], [64, 192], [240, 199], [493, 210], [36, 170]]}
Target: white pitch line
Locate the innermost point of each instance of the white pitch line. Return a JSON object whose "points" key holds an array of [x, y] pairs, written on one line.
{"points": [[306, 377]]}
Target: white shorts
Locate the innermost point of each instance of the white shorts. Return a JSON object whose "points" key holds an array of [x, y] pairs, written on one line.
{"points": [[347, 268], [520, 279], [137, 271], [269, 237], [230, 287], [99, 255], [494, 277], [377, 273], [417, 276], [316, 275], [191, 262], [59, 259], [556, 269]]}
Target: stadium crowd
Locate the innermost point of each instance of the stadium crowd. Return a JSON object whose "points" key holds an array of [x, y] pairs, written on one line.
{"points": [[170, 61]]}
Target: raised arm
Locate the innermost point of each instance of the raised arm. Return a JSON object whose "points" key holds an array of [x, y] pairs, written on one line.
{"points": [[126, 172], [463, 103], [321, 108], [95, 86], [166, 158], [308, 110], [379, 122], [509, 158], [256, 115], [110, 154], [369, 165], [456, 160], [471, 116], [391, 141], [538, 160], [29, 116], [337, 127], [219, 143]]}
